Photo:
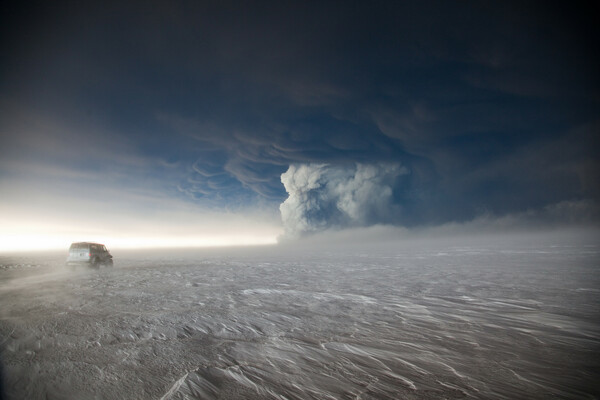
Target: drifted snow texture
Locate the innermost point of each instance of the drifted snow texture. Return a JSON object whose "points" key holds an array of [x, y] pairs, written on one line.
{"points": [[323, 196], [420, 322]]}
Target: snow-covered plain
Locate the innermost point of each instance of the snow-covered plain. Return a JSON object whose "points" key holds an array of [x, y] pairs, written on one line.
{"points": [[422, 320]]}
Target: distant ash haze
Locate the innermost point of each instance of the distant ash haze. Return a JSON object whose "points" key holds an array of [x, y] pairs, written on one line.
{"points": [[322, 196]]}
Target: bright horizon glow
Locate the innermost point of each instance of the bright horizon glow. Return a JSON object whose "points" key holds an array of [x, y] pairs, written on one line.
{"points": [[50, 222], [41, 242]]}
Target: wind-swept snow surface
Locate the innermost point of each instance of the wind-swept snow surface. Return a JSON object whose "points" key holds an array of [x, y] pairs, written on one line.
{"points": [[485, 321]]}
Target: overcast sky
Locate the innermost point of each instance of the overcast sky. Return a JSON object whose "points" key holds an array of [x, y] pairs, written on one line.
{"points": [[188, 119]]}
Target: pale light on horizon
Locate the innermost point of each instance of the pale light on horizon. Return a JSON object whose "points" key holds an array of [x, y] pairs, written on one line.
{"points": [[40, 242], [125, 224]]}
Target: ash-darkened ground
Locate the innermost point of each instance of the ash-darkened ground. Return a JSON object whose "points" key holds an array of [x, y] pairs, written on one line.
{"points": [[490, 319]]}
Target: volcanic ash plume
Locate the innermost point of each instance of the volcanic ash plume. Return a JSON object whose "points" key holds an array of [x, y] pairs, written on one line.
{"points": [[323, 196]]}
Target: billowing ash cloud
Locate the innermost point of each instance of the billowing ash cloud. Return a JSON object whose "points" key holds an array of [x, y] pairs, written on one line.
{"points": [[323, 196]]}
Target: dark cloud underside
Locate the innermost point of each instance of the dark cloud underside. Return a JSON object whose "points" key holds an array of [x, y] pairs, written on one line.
{"points": [[490, 107]]}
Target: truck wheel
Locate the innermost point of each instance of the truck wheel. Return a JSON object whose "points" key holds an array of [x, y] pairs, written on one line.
{"points": [[109, 263]]}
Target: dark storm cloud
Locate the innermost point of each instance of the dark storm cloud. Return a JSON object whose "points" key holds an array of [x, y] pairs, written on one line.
{"points": [[490, 107]]}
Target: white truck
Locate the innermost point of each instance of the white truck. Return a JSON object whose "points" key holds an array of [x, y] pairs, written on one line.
{"points": [[92, 254]]}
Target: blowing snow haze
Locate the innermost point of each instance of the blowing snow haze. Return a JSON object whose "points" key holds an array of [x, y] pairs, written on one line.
{"points": [[231, 123]]}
